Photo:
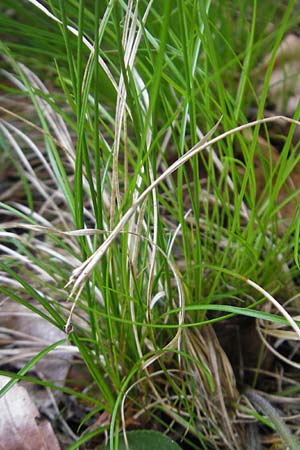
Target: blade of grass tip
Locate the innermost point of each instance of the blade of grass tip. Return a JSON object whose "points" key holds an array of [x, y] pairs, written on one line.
{"points": [[30, 365], [246, 65], [81, 273], [33, 126], [67, 42]]}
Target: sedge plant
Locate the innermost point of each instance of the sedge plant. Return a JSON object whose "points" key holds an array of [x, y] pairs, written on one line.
{"points": [[137, 221]]}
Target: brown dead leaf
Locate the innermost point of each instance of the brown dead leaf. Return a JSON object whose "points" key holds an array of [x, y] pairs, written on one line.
{"points": [[37, 334], [21, 427]]}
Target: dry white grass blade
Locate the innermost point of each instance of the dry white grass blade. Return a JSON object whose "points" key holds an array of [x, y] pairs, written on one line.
{"points": [[13, 79], [25, 261], [54, 119], [25, 121], [165, 404], [6, 280], [33, 147], [58, 255], [33, 215], [75, 32], [130, 45], [52, 230], [126, 23], [282, 334], [120, 110], [176, 232], [278, 355], [158, 296], [277, 305], [80, 274], [36, 181], [38, 184], [63, 139], [131, 56]]}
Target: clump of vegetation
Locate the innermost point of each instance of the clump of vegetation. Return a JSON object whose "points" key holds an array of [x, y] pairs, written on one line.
{"points": [[150, 213]]}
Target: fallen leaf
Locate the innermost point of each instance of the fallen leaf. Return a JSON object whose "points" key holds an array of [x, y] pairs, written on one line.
{"points": [[21, 426], [16, 317]]}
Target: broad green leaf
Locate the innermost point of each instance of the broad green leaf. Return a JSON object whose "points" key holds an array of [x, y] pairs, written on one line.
{"points": [[147, 440]]}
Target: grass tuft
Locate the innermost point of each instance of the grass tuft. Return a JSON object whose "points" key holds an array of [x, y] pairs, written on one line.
{"points": [[147, 213]]}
